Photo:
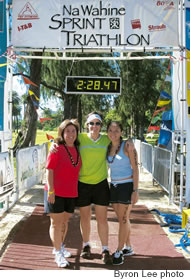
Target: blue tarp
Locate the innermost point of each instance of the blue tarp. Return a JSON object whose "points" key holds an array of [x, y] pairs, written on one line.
{"points": [[166, 116]]}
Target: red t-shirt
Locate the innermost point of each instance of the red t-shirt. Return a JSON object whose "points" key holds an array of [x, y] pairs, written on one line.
{"points": [[65, 174]]}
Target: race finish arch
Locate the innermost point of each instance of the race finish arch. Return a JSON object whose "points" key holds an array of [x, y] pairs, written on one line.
{"points": [[107, 26]]}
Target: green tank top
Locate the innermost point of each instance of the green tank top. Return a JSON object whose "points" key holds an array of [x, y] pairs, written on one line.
{"points": [[93, 155]]}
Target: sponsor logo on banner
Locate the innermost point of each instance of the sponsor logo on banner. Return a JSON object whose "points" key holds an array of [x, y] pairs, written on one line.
{"points": [[27, 13], [114, 23], [24, 26], [156, 27], [167, 4], [136, 23]]}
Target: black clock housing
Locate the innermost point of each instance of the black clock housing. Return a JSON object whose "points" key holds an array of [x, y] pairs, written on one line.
{"points": [[93, 85]]}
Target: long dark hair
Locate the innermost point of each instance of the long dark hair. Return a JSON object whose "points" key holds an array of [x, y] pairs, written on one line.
{"points": [[116, 122], [121, 138]]}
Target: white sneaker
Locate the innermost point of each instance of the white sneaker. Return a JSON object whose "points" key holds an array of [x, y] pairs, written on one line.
{"points": [[65, 253], [60, 260], [128, 251]]}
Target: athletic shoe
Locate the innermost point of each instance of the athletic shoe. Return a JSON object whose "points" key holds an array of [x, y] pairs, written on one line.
{"points": [[60, 260], [65, 253], [86, 253], [118, 258], [107, 259], [128, 252]]}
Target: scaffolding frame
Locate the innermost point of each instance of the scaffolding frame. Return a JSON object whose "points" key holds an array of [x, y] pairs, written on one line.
{"points": [[127, 54]]}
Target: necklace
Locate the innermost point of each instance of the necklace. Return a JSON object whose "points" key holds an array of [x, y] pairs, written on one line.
{"points": [[70, 156], [116, 151]]}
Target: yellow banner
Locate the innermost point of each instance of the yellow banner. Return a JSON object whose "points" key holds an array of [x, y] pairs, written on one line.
{"points": [[4, 64], [162, 103], [32, 93]]}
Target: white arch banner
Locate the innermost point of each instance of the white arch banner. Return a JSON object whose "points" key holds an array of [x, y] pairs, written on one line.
{"points": [[75, 24]]}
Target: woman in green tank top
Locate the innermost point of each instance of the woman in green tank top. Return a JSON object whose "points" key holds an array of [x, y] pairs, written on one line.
{"points": [[93, 186]]}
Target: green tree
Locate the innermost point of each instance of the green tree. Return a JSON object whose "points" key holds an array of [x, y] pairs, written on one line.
{"points": [[16, 110], [140, 92], [27, 135]]}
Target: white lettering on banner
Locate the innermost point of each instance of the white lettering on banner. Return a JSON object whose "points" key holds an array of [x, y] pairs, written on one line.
{"points": [[95, 24]]}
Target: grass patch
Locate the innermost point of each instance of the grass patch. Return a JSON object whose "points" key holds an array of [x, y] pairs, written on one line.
{"points": [[152, 140], [40, 136]]}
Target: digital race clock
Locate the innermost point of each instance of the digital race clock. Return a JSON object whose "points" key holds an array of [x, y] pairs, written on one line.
{"points": [[93, 85]]}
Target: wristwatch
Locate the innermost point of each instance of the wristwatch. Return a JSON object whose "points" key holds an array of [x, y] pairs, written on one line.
{"points": [[135, 190]]}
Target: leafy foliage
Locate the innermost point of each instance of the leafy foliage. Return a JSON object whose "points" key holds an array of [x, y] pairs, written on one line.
{"points": [[140, 92]]}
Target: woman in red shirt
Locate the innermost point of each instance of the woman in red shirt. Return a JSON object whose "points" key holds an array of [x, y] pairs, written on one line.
{"points": [[62, 180]]}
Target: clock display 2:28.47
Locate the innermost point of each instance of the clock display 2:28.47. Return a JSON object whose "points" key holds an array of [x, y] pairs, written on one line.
{"points": [[93, 85]]}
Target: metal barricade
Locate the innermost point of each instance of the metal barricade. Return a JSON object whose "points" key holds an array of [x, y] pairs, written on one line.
{"points": [[146, 156], [162, 166], [7, 182]]}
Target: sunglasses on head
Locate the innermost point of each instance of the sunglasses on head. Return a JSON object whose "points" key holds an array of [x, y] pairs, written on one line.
{"points": [[95, 123]]}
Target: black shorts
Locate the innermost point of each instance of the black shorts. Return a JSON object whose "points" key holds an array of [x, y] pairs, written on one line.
{"points": [[121, 193], [98, 194], [62, 204]]}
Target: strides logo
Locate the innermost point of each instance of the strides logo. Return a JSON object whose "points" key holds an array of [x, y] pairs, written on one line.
{"points": [[156, 27], [27, 13], [136, 23], [167, 4]]}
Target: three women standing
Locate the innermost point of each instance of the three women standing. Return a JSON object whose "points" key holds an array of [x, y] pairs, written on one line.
{"points": [[93, 187]]}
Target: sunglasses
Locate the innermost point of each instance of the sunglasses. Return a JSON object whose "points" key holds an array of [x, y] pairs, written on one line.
{"points": [[95, 123]]}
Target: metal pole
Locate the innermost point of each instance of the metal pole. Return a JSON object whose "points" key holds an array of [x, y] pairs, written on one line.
{"points": [[187, 114], [183, 80]]}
